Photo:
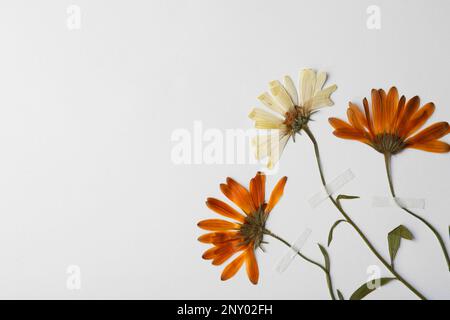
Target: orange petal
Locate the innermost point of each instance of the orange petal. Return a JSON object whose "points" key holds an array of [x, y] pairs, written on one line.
{"points": [[358, 113], [261, 179], [239, 195], [223, 254], [384, 113], [368, 117], [277, 192], [351, 134], [377, 112], [257, 189], [209, 254], [391, 107], [232, 268], [208, 237], [238, 188], [218, 237], [354, 120], [419, 118], [235, 198], [339, 124], [224, 209], [433, 132], [398, 114], [432, 146], [410, 109], [217, 225], [251, 266]]}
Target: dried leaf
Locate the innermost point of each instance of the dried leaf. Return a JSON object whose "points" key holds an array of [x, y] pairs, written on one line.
{"points": [[345, 197], [326, 257], [330, 234], [368, 287], [394, 239]]}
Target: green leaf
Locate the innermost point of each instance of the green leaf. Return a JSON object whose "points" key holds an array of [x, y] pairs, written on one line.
{"points": [[368, 287], [326, 257], [340, 295], [394, 239], [344, 197], [330, 234]]}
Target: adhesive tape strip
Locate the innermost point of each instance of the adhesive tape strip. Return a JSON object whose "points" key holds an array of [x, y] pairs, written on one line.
{"points": [[286, 260], [385, 202], [331, 188]]}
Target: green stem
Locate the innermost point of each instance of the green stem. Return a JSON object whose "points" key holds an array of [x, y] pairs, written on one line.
{"points": [[387, 161], [327, 272], [353, 224]]}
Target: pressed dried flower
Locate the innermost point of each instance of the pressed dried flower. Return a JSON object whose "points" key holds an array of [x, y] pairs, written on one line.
{"points": [[245, 234], [290, 111], [392, 124]]}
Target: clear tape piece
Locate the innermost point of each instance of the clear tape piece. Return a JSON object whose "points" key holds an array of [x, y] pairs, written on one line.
{"points": [[331, 188], [286, 260], [385, 202]]}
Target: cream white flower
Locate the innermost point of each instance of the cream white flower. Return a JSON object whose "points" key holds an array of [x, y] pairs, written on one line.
{"points": [[290, 111]]}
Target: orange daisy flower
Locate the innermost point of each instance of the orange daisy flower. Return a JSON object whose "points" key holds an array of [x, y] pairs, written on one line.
{"points": [[245, 234], [391, 128], [392, 125]]}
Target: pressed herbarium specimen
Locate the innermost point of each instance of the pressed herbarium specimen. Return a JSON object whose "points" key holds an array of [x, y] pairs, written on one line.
{"points": [[294, 111], [392, 125], [246, 232]]}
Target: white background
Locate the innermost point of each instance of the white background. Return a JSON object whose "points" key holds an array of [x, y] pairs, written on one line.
{"points": [[86, 117]]}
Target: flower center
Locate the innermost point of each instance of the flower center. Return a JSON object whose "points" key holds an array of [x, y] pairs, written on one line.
{"points": [[296, 119], [252, 230], [388, 143]]}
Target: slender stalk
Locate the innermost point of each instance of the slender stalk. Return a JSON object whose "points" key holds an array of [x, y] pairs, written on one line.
{"points": [[387, 161], [327, 272], [353, 224]]}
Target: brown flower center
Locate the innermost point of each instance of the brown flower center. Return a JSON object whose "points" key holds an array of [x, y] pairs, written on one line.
{"points": [[388, 143], [254, 227], [296, 119]]}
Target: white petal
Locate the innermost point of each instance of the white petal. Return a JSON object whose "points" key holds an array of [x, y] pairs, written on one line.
{"points": [[270, 103], [260, 114], [270, 146], [291, 90], [320, 80], [280, 94], [276, 151], [306, 86], [260, 145], [322, 98], [265, 120]]}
